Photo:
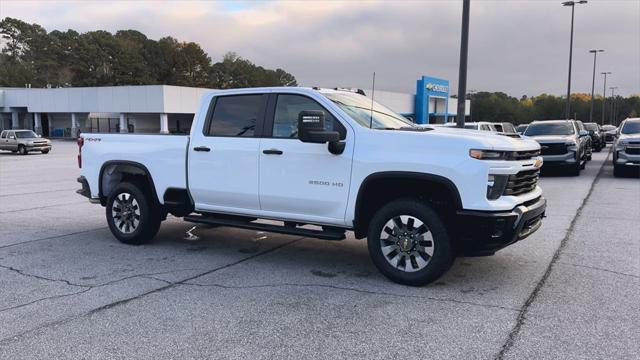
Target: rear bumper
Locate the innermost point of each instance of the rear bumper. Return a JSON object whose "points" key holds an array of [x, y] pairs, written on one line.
{"points": [[86, 190], [484, 232]]}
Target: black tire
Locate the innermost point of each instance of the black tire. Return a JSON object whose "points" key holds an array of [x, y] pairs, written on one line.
{"points": [[436, 265], [22, 150], [574, 170], [617, 170], [45, 151], [123, 199]]}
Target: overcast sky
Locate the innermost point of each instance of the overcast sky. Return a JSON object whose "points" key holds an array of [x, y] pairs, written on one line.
{"points": [[519, 47]]}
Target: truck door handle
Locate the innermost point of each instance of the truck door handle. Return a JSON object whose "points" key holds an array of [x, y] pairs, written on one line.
{"points": [[202, 148], [272, 152]]}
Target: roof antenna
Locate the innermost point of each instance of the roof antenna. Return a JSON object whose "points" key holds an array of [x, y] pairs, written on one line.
{"points": [[373, 91]]}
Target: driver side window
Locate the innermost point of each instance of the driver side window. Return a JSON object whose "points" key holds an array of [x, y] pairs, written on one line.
{"points": [[285, 119]]}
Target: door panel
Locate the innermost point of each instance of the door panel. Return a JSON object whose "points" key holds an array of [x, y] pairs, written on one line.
{"points": [[302, 180], [223, 157], [305, 180], [225, 176]]}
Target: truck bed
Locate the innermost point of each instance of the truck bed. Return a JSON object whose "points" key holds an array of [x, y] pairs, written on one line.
{"points": [[164, 157]]}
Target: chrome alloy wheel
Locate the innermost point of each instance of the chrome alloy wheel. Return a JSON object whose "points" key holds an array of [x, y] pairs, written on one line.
{"points": [[126, 213], [407, 243]]}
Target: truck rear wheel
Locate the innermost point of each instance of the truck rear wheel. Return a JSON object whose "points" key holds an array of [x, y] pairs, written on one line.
{"points": [[131, 216], [409, 243]]}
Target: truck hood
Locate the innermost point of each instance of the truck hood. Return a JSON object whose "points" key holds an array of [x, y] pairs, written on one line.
{"points": [[628, 137], [552, 138], [472, 139]]}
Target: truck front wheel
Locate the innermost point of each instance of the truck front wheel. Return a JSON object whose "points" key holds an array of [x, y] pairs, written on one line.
{"points": [[131, 217], [409, 243]]}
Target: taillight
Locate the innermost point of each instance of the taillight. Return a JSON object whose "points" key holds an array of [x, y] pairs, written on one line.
{"points": [[80, 143]]}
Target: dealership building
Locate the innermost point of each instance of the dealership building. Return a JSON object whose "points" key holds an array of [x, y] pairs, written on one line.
{"points": [[66, 112]]}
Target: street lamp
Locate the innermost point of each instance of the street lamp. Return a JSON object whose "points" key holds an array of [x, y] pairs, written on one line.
{"points": [[462, 71], [604, 94], [593, 81], [573, 7], [612, 121]]}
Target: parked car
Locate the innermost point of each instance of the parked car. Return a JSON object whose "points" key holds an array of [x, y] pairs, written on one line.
{"points": [[520, 129], [597, 136], [504, 127], [610, 132], [589, 146], [562, 144], [481, 125], [626, 153], [327, 158], [23, 142]]}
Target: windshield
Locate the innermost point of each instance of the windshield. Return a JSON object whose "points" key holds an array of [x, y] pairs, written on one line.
{"points": [[508, 128], [549, 129], [631, 127], [591, 126], [27, 134], [359, 108]]}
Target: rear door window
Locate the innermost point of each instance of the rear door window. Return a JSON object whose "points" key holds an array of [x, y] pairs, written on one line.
{"points": [[236, 115]]}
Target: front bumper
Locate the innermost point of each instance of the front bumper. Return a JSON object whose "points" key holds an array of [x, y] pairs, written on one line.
{"points": [[485, 232], [624, 158], [38, 147], [559, 160]]}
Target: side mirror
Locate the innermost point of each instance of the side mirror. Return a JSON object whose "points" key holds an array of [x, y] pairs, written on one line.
{"points": [[311, 128], [583, 133]]}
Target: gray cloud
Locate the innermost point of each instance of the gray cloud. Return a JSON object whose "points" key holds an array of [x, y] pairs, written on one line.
{"points": [[519, 47]]}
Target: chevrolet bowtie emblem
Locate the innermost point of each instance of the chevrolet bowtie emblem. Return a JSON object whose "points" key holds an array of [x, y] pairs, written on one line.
{"points": [[538, 163]]}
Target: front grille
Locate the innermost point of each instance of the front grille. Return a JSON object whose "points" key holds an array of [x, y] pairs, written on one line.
{"points": [[521, 183], [633, 150], [553, 149], [524, 155]]}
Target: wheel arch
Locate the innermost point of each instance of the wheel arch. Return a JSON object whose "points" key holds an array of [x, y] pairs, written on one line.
{"points": [[116, 171], [398, 184]]}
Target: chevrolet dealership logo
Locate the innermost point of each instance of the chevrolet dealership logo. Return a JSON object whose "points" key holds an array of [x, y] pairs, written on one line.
{"points": [[436, 87]]}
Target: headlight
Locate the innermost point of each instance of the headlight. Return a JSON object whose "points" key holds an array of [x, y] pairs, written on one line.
{"points": [[496, 185], [621, 145], [571, 145], [487, 154]]}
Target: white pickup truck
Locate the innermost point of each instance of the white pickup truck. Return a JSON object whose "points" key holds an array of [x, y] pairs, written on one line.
{"points": [[317, 163]]}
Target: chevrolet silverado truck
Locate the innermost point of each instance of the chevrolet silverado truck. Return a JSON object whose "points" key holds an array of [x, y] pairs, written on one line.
{"points": [[626, 148], [318, 163], [563, 144]]}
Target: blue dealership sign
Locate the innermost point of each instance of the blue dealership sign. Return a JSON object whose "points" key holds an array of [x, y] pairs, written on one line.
{"points": [[428, 87]]}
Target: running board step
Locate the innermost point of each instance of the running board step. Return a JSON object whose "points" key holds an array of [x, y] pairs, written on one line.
{"points": [[337, 234]]}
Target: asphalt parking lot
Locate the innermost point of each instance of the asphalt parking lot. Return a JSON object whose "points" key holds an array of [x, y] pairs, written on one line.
{"points": [[68, 289]]}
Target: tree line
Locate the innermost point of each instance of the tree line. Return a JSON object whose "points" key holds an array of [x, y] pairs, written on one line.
{"points": [[498, 106], [31, 55]]}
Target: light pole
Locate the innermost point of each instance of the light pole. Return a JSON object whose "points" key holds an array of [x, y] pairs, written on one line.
{"points": [[593, 81], [462, 73], [573, 7], [604, 94], [613, 105]]}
